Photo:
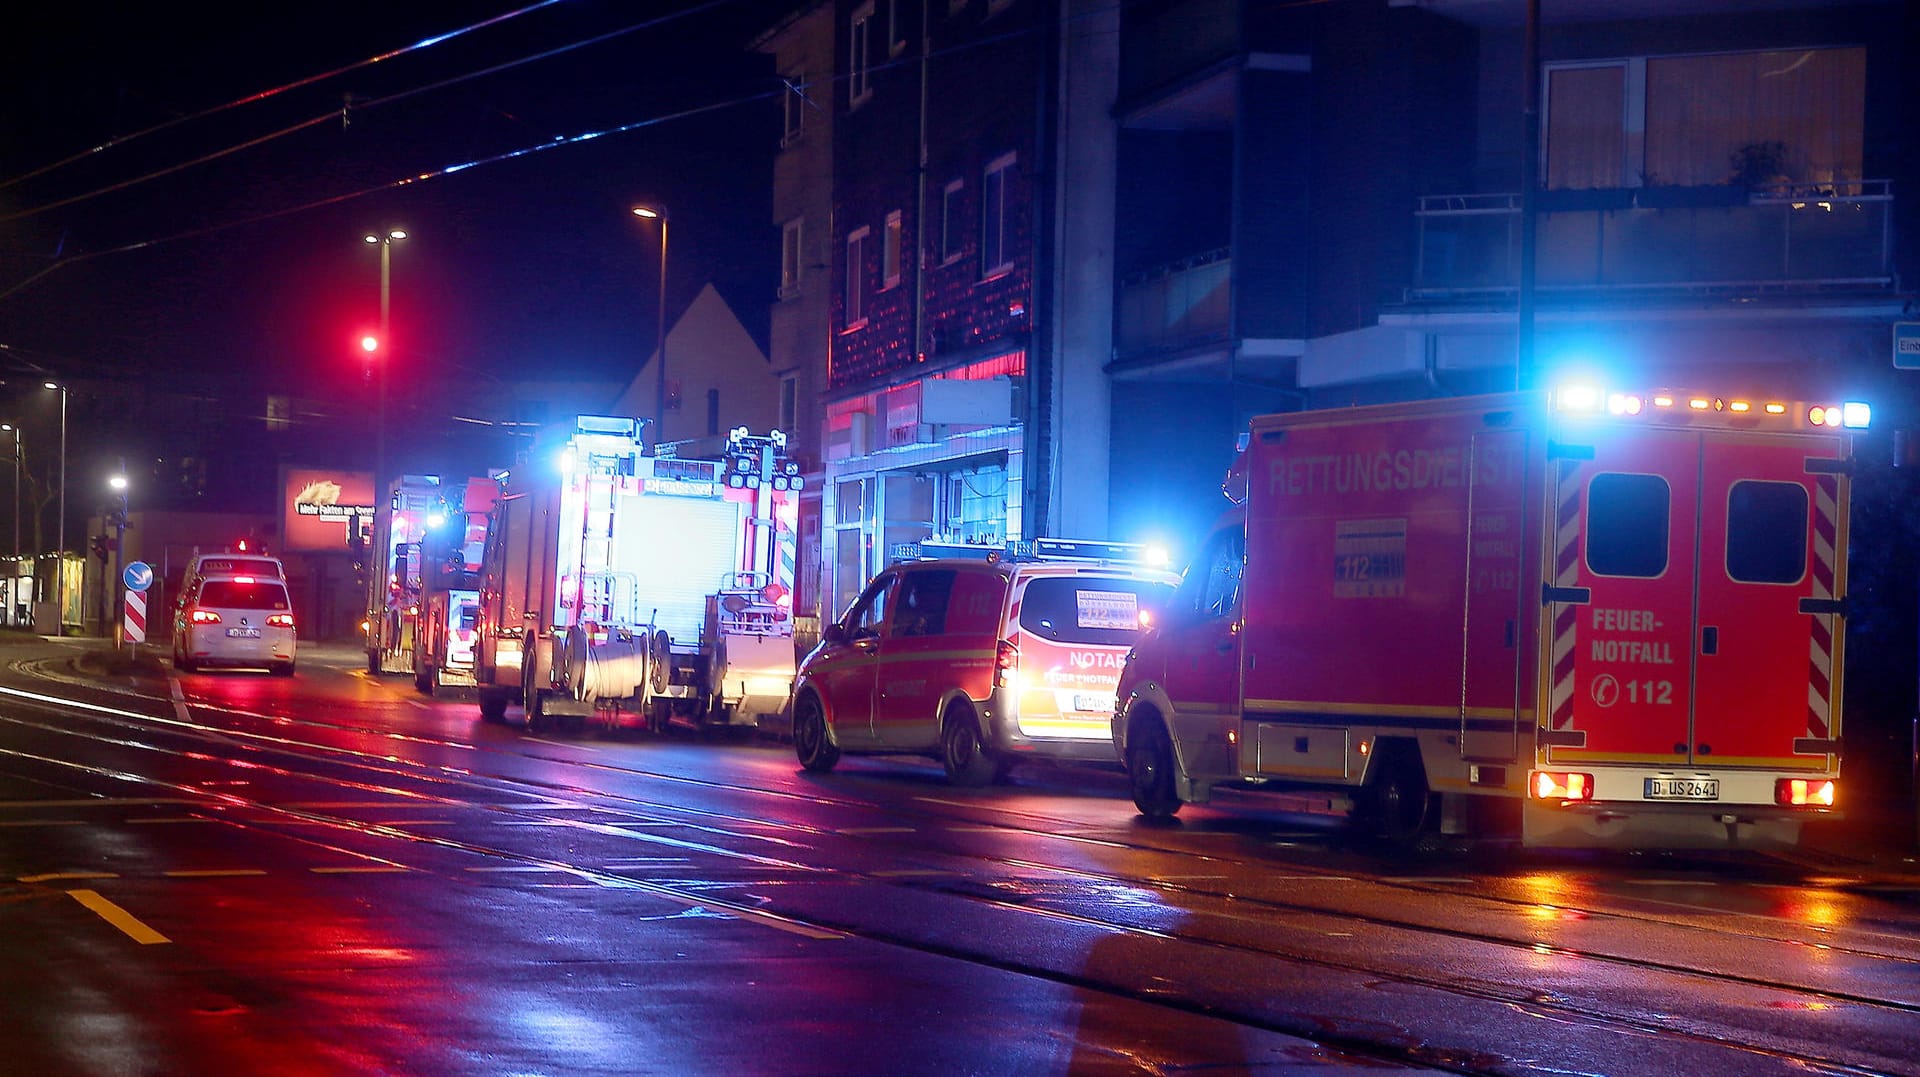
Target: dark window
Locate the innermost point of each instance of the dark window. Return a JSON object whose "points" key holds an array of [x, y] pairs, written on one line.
{"points": [[921, 608], [869, 612], [235, 595], [1627, 522], [1767, 532], [1089, 609]]}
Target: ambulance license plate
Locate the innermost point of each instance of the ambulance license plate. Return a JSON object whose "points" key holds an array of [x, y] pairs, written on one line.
{"points": [[1092, 703], [1683, 789], [243, 633]]}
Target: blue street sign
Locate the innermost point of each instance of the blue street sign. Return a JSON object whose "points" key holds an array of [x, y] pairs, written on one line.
{"points": [[138, 576], [1906, 345]]}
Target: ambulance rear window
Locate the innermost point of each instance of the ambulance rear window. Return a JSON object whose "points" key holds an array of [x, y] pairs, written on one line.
{"points": [[1766, 532], [1089, 609], [1627, 521]]}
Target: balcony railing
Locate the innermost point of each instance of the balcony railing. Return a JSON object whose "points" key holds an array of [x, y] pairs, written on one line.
{"points": [[1774, 237], [1174, 306]]}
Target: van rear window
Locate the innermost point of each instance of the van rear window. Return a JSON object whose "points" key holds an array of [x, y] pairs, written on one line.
{"points": [[1089, 609], [234, 595], [1627, 524], [1767, 532]]}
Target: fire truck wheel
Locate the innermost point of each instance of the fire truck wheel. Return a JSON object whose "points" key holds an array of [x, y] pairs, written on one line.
{"points": [[1150, 771], [1396, 798], [493, 704], [423, 680], [373, 661], [536, 711], [812, 741], [659, 713], [961, 752]]}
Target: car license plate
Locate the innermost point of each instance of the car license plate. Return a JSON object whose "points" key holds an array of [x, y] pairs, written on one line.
{"points": [[1092, 703], [243, 633], [1683, 789]]}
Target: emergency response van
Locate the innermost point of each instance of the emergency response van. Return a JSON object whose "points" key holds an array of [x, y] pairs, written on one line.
{"points": [[979, 661], [1616, 617]]}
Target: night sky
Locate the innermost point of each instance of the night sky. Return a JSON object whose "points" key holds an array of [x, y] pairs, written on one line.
{"points": [[529, 266]]}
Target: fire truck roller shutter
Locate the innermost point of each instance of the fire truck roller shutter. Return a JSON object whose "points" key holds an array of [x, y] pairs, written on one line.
{"points": [[678, 550]]}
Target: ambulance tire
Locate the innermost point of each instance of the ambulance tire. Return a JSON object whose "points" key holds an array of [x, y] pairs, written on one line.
{"points": [[966, 759], [1396, 799], [1150, 771], [812, 740]]}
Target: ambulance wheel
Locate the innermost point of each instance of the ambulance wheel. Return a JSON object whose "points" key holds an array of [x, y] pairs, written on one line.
{"points": [[493, 704], [1396, 798], [812, 741], [961, 753], [1150, 771]]}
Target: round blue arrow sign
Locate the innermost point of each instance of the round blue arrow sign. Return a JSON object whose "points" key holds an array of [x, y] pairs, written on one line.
{"points": [[138, 576]]}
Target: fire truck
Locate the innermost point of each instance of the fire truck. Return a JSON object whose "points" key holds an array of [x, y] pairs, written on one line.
{"points": [[448, 629], [401, 521], [626, 587], [1604, 619]]}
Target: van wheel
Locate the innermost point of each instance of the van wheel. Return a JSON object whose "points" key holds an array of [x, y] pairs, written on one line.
{"points": [[1396, 799], [812, 740], [1150, 771], [961, 752]]}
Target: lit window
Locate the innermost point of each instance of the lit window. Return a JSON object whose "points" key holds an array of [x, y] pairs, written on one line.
{"points": [[860, 56], [791, 262], [950, 221], [995, 252], [890, 252], [856, 277]]}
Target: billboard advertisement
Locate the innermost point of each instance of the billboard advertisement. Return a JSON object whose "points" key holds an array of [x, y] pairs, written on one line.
{"points": [[320, 505]]}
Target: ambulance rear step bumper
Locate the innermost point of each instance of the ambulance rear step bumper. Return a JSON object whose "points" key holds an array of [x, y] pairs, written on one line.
{"points": [[1618, 825]]}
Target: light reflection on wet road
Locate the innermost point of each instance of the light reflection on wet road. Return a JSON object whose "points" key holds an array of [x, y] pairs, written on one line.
{"points": [[350, 878]]}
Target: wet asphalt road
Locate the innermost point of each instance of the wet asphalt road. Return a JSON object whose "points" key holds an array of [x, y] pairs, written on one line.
{"points": [[228, 873]]}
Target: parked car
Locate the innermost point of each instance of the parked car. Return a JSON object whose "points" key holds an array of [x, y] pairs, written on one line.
{"points": [[239, 621], [979, 662]]}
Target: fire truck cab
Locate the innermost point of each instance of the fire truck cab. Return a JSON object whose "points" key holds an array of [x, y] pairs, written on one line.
{"points": [[1615, 619]]}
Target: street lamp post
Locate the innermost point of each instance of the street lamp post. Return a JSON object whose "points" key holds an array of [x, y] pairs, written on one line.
{"points": [[118, 481], [659, 213], [60, 555], [16, 487], [384, 347]]}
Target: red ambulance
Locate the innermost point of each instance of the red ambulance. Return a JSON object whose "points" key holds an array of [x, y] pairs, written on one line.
{"points": [[1617, 617]]}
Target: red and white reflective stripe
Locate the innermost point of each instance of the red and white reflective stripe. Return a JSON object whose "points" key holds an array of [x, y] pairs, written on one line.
{"points": [[136, 618], [1566, 573], [1826, 496], [783, 556]]}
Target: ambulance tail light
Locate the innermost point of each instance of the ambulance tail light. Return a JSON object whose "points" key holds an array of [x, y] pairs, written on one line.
{"points": [[1804, 792], [1006, 664], [1560, 785]]}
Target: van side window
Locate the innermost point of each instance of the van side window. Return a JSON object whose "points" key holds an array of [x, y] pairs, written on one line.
{"points": [[1211, 587], [921, 606], [1766, 532], [1627, 522], [869, 611], [975, 603]]}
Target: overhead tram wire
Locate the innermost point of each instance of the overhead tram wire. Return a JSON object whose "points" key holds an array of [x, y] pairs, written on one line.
{"points": [[406, 181], [330, 114], [424, 43]]}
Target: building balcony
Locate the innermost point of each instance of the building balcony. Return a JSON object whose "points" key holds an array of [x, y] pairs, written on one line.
{"points": [[1175, 307], [1770, 238]]}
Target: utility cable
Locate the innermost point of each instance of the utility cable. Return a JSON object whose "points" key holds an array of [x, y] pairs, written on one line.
{"points": [[424, 43]]}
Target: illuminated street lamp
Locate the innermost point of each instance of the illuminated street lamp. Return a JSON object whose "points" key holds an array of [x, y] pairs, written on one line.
{"points": [[385, 241], [659, 213], [118, 483]]}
